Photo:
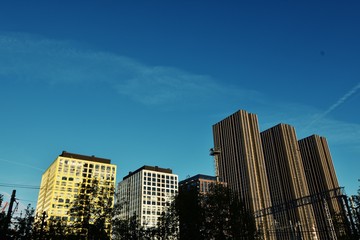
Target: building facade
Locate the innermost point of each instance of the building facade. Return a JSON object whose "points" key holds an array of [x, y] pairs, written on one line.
{"points": [[287, 183], [200, 182], [321, 179], [240, 163], [62, 182], [146, 193]]}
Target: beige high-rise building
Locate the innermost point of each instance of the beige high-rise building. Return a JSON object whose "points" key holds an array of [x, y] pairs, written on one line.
{"points": [[61, 183], [287, 183], [240, 163], [321, 178]]}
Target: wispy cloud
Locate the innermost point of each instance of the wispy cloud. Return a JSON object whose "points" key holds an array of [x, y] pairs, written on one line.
{"points": [[33, 58], [29, 58]]}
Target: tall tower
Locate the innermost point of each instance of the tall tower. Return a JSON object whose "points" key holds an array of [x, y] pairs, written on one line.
{"points": [[240, 163], [321, 178], [146, 193], [287, 182]]}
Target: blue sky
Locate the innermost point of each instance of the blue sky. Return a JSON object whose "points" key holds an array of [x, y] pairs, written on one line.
{"points": [[142, 82]]}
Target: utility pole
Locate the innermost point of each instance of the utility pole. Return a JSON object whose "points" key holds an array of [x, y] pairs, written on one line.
{"points": [[9, 213]]}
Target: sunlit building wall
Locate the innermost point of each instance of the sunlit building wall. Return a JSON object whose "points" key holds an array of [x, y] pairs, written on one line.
{"points": [[146, 193], [287, 183], [321, 178], [241, 164], [61, 183]]}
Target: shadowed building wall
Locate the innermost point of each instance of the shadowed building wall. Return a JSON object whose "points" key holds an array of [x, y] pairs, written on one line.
{"points": [[241, 163], [287, 182], [200, 182]]}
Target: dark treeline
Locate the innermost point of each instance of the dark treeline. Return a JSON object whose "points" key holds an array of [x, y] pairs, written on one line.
{"points": [[218, 215]]}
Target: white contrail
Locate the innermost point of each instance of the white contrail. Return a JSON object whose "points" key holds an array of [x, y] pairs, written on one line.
{"points": [[337, 104], [21, 164], [342, 100]]}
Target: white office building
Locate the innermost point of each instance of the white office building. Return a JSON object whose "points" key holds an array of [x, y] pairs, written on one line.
{"points": [[146, 193]]}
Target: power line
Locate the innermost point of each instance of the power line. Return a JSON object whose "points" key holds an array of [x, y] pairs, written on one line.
{"points": [[12, 185], [26, 200]]}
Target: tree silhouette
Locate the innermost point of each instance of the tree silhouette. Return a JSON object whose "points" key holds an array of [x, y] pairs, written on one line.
{"points": [[356, 211], [91, 211], [225, 216], [218, 214], [126, 229], [168, 224], [23, 225], [2, 219], [190, 213]]}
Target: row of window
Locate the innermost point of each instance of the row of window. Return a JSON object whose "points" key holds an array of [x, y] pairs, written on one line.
{"points": [[153, 203], [153, 212], [154, 193], [162, 189], [157, 175], [78, 165], [158, 178], [161, 185]]}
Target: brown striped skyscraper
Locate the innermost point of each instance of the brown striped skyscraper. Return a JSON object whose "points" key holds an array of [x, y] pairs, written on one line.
{"points": [[241, 163], [287, 182], [289, 185], [321, 178]]}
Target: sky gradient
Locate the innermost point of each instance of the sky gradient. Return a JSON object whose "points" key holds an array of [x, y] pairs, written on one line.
{"points": [[142, 82]]}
